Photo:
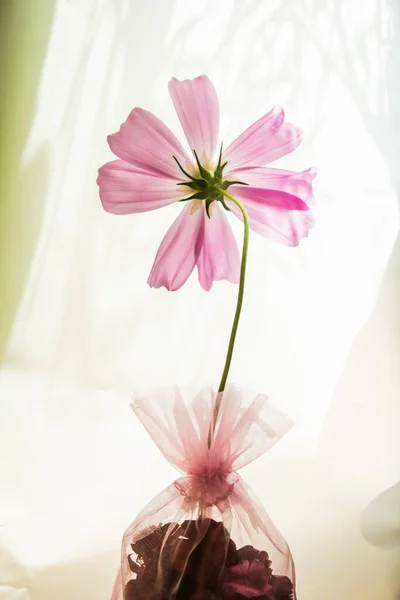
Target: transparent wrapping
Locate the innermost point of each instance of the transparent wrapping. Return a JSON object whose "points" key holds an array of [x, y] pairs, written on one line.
{"points": [[206, 536]]}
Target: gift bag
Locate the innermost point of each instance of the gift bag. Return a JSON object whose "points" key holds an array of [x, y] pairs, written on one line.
{"points": [[207, 537]]}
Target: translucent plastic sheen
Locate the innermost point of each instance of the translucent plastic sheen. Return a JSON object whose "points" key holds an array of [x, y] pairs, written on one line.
{"points": [[206, 536]]}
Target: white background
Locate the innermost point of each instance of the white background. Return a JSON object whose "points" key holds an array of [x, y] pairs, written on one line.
{"points": [[320, 327]]}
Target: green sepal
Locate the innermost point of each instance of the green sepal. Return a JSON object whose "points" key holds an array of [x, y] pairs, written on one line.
{"points": [[203, 172], [197, 184], [208, 186], [222, 200], [198, 196], [182, 169], [227, 184], [208, 204], [218, 170], [220, 155]]}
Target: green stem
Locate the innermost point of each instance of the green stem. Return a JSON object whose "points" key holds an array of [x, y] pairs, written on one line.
{"points": [[238, 308]]}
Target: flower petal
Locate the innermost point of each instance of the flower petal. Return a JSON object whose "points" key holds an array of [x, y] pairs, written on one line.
{"points": [[298, 184], [125, 189], [179, 250], [219, 257], [196, 104], [144, 141], [266, 140], [265, 197], [284, 226]]}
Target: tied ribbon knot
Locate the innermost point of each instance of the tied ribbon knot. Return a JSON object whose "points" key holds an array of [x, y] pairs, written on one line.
{"points": [[207, 490]]}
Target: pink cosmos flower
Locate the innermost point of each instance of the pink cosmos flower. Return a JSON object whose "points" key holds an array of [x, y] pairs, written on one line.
{"points": [[153, 170]]}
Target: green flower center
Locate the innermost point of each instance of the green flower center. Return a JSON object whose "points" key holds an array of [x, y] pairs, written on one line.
{"points": [[209, 186]]}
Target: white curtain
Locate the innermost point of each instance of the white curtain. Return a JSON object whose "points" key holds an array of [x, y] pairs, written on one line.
{"points": [[77, 466]]}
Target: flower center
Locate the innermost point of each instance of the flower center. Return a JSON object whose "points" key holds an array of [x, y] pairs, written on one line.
{"points": [[208, 186]]}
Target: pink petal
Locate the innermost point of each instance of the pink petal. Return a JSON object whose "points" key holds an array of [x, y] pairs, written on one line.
{"points": [[145, 142], [179, 250], [289, 182], [219, 257], [266, 197], [266, 140], [196, 103], [284, 226], [126, 189]]}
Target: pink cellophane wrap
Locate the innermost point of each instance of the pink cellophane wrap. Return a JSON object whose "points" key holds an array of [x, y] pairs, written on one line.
{"points": [[206, 536]]}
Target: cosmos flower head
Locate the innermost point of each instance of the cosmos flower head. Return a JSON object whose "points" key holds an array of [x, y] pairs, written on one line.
{"points": [[153, 170]]}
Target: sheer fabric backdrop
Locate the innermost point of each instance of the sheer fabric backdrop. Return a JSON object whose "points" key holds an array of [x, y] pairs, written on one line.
{"points": [[89, 331]]}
